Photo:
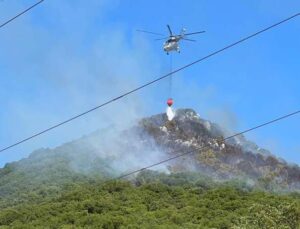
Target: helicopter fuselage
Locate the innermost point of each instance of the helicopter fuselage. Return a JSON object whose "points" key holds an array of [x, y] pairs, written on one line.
{"points": [[172, 44]]}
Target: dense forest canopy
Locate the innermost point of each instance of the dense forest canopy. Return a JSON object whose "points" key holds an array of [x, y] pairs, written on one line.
{"points": [[152, 200]]}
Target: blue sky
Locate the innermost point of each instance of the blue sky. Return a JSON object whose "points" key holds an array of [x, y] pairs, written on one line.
{"points": [[65, 57]]}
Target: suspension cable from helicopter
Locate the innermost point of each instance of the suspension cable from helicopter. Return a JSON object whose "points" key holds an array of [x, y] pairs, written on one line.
{"points": [[20, 14], [171, 76], [151, 82]]}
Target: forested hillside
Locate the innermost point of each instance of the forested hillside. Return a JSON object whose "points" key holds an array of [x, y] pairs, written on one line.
{"points": [[156, 200], [234, 184]]}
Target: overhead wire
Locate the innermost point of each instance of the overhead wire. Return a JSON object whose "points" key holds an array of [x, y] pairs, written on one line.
{"points": [[20, 14], [150, 82], [206, 146]]}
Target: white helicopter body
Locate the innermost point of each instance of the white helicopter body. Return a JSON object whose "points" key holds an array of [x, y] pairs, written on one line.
{"points": [[172, 42]]}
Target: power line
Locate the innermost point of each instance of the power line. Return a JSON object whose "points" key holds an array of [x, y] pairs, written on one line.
{"points": [[20, 14], [150, 83], [203, 147]]}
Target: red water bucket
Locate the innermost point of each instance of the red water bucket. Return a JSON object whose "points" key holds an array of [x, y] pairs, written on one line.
{"points": [[170, 102]]}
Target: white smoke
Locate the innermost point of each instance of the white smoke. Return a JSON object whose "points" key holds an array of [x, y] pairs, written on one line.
{"points": [[170, 113], [123, 151], [74, 67]]}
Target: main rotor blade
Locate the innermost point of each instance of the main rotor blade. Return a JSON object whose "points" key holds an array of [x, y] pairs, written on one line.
{"points": [[194, 33], [144, 31], [170, 31], [158, 39], [188, 39]]}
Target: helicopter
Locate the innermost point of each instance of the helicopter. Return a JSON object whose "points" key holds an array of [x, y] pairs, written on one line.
{"points": [[172, 42]]}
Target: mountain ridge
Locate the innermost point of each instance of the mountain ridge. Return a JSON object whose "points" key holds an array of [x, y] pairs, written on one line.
{"points": [[153, 139], [236, 157]]}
